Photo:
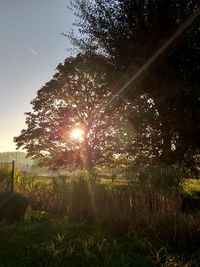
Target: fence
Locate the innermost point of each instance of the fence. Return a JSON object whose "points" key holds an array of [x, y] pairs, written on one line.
{"points": [[7, 172]]}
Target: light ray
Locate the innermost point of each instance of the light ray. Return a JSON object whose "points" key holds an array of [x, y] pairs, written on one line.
{"points": [[181, 29]]}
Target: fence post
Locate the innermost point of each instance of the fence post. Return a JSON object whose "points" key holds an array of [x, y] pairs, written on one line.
{"points": [[12, 177]]}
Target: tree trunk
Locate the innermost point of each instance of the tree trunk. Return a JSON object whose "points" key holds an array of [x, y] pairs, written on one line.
{"points": [[166, 133], [87, 157], [166, 155]]}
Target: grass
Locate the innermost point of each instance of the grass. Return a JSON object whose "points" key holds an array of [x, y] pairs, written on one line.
{"points": [[136, 209], [191, 186], [55, 241], [45, 240], [149, 210]]}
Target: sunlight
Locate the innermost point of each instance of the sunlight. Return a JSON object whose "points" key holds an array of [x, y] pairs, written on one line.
{"points": [[77, 134]]}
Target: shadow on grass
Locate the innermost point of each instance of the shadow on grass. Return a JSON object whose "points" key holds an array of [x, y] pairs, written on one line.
{"points": [[54, 241]]}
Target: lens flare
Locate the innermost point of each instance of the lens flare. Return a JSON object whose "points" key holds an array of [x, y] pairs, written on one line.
{"points": [[77, 134]]}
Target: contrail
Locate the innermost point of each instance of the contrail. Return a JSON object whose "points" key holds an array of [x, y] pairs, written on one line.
{"points": [[33, 51], [182, 28]]}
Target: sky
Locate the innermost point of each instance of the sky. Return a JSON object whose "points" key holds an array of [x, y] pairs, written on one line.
{"points": [[31, 46]]}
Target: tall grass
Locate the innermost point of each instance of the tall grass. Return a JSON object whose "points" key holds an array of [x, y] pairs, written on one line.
{"points": [[145, 210]]}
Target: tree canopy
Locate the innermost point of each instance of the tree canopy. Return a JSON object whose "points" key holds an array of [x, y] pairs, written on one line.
{"points": [[130, 32], [155, 115], [75, 98]]}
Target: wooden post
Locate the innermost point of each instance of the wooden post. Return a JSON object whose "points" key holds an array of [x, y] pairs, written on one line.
{"points": [[12, 177]]}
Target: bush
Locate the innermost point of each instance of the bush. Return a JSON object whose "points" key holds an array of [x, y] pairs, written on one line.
{"points": [[190, 203], [12, 206], [162, 177]]}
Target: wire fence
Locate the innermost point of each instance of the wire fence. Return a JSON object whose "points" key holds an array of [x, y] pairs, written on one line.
{"points": [[7, 171]]}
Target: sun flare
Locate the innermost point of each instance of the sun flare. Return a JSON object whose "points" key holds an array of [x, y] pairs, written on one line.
{"points": [[77, 134]]}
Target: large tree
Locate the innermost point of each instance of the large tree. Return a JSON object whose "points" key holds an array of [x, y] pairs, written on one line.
{"points": [[128, 33], [76, 98]]}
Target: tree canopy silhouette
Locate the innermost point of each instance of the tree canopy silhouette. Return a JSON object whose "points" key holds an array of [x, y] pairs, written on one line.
{"points": [[76, 97], [128, 33]]}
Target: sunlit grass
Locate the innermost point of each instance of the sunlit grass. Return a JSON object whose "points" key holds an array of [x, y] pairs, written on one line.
{"points": [[191, 185]]}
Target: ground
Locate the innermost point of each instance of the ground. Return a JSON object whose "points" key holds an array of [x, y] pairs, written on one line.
{"points": [[46, 240]]}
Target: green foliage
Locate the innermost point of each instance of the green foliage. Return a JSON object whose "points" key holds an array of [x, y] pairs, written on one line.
{"points": [[190, 164], [165, 258], [161, 177], [53, 241], [147, 209], [35, 216], [5, 176], [56, 242], [12, 206], [4, 173], [191, 186]]}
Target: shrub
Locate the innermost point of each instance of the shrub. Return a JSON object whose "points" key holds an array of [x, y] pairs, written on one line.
{"points": [[162, 177], [12, 206], [190, 203]]}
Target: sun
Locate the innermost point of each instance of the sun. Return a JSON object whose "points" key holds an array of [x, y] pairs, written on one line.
{"points": [[77, 134]]}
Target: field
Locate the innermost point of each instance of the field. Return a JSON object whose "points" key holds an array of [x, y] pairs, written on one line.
{"points": [[46, 240], [55, 241], [76, 221]]}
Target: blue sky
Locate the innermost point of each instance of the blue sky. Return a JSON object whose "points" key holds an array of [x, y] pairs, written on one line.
{"points": [[31, 47]]}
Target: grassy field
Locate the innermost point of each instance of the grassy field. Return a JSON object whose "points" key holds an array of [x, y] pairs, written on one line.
{"points": [[44, 240], [54, 241], [79, 222]]}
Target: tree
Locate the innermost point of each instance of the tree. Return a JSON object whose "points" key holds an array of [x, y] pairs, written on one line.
{"points": [[75, 99], [128, 33]]}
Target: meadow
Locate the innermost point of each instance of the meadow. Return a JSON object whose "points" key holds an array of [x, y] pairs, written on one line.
{"points": [[105, 222]]}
